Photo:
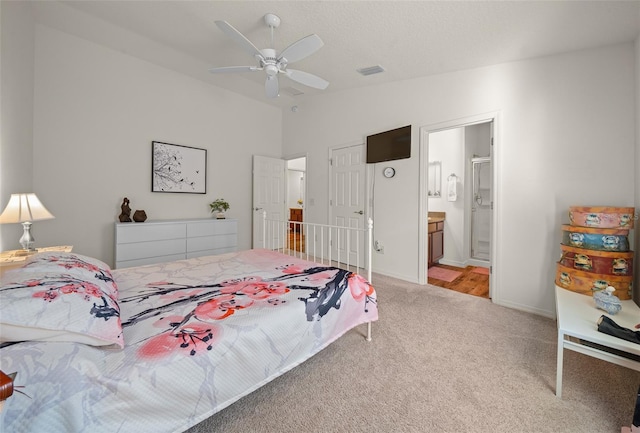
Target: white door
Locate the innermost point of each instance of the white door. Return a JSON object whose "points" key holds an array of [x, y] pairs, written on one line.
{"points": [[269, 196], [347, 202]]}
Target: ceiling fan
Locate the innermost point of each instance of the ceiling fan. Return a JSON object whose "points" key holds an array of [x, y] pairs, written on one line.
{"points": [[273, 63]]}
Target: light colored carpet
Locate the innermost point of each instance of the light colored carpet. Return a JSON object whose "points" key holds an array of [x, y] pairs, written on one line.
{"points": [[440, 361], [443, 274]]}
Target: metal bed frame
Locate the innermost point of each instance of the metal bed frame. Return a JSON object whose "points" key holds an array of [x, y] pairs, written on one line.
{"points": [[323, 238]]}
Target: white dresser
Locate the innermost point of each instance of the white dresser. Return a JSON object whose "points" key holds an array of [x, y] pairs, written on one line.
{"points": [[167, 240]]}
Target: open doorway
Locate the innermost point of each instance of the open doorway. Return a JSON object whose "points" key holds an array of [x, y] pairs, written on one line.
{"points": [[457, 165], [279, 190], [296, 190]]}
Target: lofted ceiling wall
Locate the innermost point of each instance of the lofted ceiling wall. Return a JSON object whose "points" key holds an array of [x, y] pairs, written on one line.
{"points": [[407, 38]]}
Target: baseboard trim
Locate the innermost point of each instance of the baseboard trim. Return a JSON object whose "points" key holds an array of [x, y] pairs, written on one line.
{"points": [[394, 275], [525, 308], [450, 263]]}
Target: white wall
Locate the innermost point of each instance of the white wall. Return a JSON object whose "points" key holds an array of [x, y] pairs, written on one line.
{"points": [[16, 111], [477, 139], [96, 113], [561, 120]]}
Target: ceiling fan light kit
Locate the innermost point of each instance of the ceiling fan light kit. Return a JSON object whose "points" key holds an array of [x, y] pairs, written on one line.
{"points": [[273, 63]]}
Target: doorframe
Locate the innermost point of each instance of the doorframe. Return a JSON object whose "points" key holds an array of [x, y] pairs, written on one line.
{"points": [[423, 208]]}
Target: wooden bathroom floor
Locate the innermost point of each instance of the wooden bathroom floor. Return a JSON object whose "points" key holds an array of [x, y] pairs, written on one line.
{"points": [[296, 241], [468, 282]]}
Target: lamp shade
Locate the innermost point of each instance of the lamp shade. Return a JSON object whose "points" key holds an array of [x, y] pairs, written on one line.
{"points": [[24, 208]]}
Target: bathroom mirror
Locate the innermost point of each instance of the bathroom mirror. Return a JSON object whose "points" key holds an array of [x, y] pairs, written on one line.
{"points": [[435, 179]]}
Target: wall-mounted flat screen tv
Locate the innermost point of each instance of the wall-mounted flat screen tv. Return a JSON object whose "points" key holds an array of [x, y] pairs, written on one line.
{"points": [[389, 145]]}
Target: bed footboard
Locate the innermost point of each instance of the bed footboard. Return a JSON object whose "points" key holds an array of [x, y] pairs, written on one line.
{"points": [[344, 247]]}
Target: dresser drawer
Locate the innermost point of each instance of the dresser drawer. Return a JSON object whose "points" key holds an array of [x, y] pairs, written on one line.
{"points": [[211, 228], [211, 242], [149, 261], [212, 252], [133, 251], [141, 232]]}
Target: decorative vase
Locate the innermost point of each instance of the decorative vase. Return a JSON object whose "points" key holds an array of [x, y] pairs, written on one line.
{"points": [[125, 216], [220, 216], [607, 301], [139, 216]]}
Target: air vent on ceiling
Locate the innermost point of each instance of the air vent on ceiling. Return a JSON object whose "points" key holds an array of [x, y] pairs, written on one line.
{"points": [[292, 91], [371, 70]]}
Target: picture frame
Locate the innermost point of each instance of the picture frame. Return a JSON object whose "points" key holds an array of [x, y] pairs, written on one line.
{"points": [[177, 168]]}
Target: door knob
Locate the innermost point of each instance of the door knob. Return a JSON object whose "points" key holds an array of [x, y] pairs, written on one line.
{"points": [[360, 212], [257, 208]]}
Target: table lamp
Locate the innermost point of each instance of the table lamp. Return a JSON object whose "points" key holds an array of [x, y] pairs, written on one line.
{"points": [[24, 208]]}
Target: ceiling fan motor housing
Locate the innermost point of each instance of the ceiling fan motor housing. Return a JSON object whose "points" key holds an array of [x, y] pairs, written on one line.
{"points": [[269, 55], [270, 61]]}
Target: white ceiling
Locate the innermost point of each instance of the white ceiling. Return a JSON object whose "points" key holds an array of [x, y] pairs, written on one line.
{"points": [[408, 38]]}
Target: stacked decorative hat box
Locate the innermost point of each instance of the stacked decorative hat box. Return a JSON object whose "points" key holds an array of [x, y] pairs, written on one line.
{"points": [[595, 251]]}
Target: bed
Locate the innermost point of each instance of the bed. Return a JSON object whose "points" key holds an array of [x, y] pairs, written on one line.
{"points": [[159, 348]]}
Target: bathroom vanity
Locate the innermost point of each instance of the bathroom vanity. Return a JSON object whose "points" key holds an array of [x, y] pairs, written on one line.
{"points": [[435, 248], [295, 215]]}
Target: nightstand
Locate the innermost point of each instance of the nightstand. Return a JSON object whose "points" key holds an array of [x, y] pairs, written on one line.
{"points": [[12, 259]]}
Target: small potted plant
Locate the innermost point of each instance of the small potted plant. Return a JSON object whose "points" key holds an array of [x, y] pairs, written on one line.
{"points": [[219, 206]]}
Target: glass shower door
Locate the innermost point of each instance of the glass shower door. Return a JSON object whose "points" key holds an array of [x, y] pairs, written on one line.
{"points": [[481, 209]]}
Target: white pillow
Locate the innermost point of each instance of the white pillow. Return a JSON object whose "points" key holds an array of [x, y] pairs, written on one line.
{"points": [[60, 296]]}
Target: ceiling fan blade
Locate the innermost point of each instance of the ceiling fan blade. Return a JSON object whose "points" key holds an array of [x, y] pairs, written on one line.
{"points": [[226, 69], [307, 79], [302, 48], [271, 86], [240, 39]]}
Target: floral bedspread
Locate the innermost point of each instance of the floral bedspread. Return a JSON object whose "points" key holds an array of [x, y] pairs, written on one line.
{"points": [[198, 335]]}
